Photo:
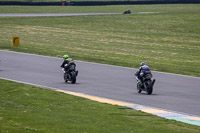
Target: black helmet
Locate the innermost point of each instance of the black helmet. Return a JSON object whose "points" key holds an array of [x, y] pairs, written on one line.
{"points": [[142, 63]]}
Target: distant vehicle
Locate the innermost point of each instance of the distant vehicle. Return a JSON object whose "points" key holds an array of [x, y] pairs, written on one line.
{"points": [[127, 12], [70, 75], [146, 84]]}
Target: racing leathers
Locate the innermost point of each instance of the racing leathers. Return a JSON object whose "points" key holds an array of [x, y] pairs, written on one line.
{"points": [[143, 71], [68, 64]]}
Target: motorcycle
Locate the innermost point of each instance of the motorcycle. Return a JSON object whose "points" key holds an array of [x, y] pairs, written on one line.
{"points": [[146, 84], [127, 12], [70, 75]]}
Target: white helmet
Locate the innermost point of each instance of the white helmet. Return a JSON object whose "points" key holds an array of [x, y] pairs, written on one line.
{"points": [[142, 63]]}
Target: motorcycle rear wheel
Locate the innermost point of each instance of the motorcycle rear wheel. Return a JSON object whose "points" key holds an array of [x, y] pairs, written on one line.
{"points": [[73, 77], [149, 87]]}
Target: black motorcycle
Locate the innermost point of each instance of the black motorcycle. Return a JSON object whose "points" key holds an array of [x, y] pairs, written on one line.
{"points": [[146, 84], [70, 75]]}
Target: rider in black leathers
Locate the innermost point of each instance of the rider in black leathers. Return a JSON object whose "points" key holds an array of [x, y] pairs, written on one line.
{"points": [[143, 71], [68, 63]]}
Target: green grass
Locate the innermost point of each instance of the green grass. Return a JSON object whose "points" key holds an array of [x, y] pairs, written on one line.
{"points": [[27, 109], [168, 41]]}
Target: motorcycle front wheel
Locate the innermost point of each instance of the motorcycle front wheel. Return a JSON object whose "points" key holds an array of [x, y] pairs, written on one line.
{"points": [[138, 88], [65, 77]]}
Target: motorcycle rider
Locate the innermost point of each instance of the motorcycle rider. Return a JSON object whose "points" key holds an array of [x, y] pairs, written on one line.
{"points": [[143, 71], [68, 63]]}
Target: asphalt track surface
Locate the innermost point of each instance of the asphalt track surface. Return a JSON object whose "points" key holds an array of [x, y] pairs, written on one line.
{"points": [[61, 14], [171, 92], [51, 14]]}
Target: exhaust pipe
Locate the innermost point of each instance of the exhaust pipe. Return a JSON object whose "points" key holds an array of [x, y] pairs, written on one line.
{"points": [[153, 81]]}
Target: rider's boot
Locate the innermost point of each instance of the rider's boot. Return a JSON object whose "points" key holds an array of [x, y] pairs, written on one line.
{"points": [[140, 82]]}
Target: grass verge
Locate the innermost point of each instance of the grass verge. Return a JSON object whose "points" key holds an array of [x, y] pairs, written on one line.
{"points": [[25, 109], [167, 37]]}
